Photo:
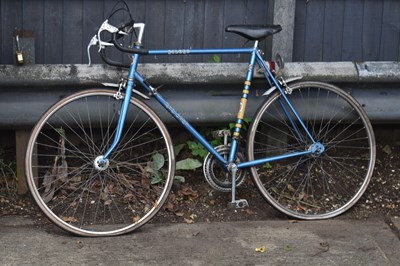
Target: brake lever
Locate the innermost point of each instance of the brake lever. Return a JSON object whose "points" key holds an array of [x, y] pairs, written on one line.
{"points": [[92, 42], [96, 40], [105, 26]]}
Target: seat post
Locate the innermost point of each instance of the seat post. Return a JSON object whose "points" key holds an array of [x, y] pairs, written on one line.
{"points": [[256, 44]]}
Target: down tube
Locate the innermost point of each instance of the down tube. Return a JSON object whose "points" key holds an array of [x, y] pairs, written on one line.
{"points": [[181, 120]]}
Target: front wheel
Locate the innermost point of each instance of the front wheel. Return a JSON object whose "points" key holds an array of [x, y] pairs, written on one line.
{"points": [[318, 185], [91, 197]]}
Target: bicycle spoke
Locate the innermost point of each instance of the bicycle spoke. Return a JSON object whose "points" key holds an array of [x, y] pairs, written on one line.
{"points": [[82, 196], [314, 186]]}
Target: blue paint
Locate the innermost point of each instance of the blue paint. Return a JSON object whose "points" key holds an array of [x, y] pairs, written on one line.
{"points": [[255, 57], [270, 159], [124, 107], [276, 83], [201, 51]]}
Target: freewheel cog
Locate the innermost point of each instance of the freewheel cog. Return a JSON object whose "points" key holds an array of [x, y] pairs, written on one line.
{"points": [[215, 174]]}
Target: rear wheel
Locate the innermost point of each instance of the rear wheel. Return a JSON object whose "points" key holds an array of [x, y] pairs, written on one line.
{"points": [[87, 196], [314, 186]]}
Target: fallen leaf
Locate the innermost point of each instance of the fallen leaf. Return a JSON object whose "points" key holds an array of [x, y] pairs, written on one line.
{"points": [[111, 187], [300, 207], [249, 211], [103, 196], [188, 221], [324, 244], [79, 243], [187, 191], [302, 196], [287, 247], [146, 182], [169, 206], [195, 233], [171, 197], [128, 197], [387, 149], [136, 218], [261, 249], [69, 219], [324, 247]]}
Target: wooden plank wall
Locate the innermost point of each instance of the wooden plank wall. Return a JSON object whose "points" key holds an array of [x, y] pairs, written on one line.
{"points": [[325, 30], [347, 30], [63, 28]]}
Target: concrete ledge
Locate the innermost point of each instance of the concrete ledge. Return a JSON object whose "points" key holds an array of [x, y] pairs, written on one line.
{"points": [[323, 71], [55, 75], [377, 71]]}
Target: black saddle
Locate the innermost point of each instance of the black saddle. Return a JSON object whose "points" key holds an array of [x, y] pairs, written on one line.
{"points": [[254, 32]]}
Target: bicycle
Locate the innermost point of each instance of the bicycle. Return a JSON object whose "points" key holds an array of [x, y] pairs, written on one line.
{"points": [[100, 162]]}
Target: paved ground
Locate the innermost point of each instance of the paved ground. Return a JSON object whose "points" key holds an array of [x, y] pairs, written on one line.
{"points": [[332, 242]]}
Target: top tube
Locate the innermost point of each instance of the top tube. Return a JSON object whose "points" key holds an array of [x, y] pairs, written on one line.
{"points": [[198, 51], [202, 51]]}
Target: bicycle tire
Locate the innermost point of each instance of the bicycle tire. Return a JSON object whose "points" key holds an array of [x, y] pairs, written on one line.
{"points": [[77, 195], [312, 186]]}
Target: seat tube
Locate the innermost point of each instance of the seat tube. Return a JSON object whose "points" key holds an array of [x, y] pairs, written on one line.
{"points": [[242, 105]]}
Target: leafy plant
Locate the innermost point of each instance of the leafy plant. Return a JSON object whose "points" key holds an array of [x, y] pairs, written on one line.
{"points": [[178, 148], [188, 164], [197, 149], [158, 161], [180, 178], [267, 166], [215, 59], [154, 168], [7, 170], [245, 124]]}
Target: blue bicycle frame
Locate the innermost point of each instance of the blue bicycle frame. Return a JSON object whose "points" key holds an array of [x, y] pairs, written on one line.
{"points": [[255, 56]]}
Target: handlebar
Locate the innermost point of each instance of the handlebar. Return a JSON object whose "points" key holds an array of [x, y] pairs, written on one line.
{"points": [[117, 33], [111, 62], [135, 50]]}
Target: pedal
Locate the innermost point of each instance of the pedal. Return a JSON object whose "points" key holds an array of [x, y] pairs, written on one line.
{"points": [[238, 204], [221, 133]]}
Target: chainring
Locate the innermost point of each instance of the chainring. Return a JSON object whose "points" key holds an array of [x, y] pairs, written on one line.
{"points": [[214, 173]]}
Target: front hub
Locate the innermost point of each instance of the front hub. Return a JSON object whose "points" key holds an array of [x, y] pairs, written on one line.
{"points": [[100, 163], [317, 148]]}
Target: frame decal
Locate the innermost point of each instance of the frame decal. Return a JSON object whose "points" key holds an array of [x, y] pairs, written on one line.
{"points": [[181, 51]]}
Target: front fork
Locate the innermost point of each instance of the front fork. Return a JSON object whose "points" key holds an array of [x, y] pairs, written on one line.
{"points": [[101, 162]]}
